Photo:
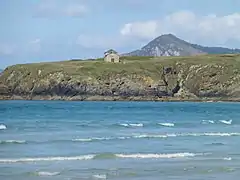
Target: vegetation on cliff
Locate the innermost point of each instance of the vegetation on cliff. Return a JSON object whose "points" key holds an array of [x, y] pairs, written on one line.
{"points": [[136, 78]]}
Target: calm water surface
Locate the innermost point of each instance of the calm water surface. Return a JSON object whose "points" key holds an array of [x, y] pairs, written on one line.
{"points": [[119, 140]]}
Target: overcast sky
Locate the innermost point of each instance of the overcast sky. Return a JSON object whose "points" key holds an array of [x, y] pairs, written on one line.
{"points": [[49, 30]]}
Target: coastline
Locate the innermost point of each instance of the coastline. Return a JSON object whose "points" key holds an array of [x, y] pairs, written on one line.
{"points": [[118, 98]]}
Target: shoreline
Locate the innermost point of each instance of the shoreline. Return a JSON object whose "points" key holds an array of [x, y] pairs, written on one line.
{"points": [[117, 98]]}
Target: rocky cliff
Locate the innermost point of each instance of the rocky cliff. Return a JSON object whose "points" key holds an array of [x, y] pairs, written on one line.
{"points": [[204, 77]]}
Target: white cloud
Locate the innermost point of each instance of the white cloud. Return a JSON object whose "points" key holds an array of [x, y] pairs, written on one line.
{"points": [[55, 9], [210, 29], [143, 30]]}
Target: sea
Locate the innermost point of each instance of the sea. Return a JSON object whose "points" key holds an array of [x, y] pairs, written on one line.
{"points": [[63, 140]]}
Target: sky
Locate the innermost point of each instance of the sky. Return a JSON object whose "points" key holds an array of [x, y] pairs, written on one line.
{"points": [[53, 30]]}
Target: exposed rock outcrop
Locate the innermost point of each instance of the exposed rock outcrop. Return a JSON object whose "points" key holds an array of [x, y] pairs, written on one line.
{"points": [[149, 80]]}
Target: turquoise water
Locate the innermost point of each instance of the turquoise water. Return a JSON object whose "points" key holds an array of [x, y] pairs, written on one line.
{"points": [[119, 140]]}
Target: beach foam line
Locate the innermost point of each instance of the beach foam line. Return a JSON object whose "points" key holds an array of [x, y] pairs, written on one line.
{"points": [[3, 127], [100, 157]]}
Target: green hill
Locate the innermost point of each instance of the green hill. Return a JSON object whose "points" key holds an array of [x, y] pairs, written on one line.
{"points": [[203, 77]]}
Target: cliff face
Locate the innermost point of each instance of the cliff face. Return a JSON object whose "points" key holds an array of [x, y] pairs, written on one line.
{"points": [[179, 78]]}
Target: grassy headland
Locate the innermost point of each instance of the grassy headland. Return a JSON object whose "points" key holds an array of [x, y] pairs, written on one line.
{"points": [[205, 77]]}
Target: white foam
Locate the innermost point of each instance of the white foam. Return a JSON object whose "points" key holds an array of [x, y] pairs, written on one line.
{"points": [[209, 134], [83, 140], [185, 134], [155, 156], [3, 127], [139, 136], [167, 124], [227, 159], [220, 134], [150, 136], [208, 122], [48, 173], [84, 157], [12, 141], [226, 122], [93, 139], [100, 176], [132, 125]]}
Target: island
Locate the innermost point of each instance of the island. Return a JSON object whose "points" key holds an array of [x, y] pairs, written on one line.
{"points": [[130, 78]]}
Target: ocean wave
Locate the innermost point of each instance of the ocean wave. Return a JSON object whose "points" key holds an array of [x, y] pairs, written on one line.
{"points": [[132, 125], [93, 139], [100, 176], [208, 121], [229, 122], [149, 136], [167, 124], [45, 173], [101, 156], [227, 159], [156, 156], [185, 135], [36, 159], [3, 127], [12, 142], [128, 137], [217, 144]]}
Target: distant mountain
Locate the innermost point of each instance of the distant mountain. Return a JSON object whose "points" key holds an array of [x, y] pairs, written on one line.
{"points": [[170, 45]]}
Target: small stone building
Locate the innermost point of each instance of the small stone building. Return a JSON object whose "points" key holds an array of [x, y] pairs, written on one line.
{"points": [[111, 56]]}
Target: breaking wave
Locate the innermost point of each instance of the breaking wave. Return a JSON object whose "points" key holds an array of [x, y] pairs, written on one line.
{"points": [[132, 125], [227, 159], [156, 156], [3, 127], [132, 136], [12, 142], [100, 176], [45, 173], [208, 122], [34, 159], [167, 124], [99, 139], [226, 122], [100, 156], [142, 136]]}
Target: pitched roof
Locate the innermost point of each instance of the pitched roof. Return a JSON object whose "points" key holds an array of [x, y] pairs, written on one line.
{"points": [[111, 51]]}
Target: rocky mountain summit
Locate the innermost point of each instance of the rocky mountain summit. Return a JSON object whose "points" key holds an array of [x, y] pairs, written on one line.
{"points": [[170, 45]]}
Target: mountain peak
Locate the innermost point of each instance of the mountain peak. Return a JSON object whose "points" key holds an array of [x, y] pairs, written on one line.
{"points": [[166, 45], [171, 45]]}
